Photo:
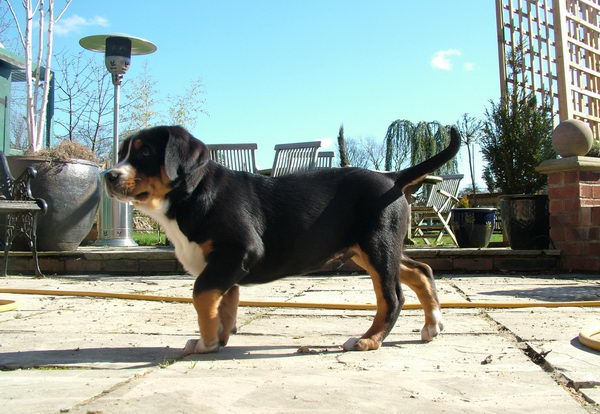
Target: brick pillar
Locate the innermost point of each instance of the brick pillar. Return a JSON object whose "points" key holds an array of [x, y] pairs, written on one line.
{"points": [[574, 193]]}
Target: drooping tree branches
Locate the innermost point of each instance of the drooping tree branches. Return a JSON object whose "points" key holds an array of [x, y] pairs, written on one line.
{"points": [[409, 144]]}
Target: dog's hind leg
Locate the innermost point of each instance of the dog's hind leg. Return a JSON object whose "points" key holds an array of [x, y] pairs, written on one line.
{"points": [[419, 277], [384, 272], [228, 313]]}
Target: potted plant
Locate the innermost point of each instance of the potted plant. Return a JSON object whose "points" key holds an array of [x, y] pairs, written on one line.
{"points": [[68, 179], [516, 138], [472, 226]]}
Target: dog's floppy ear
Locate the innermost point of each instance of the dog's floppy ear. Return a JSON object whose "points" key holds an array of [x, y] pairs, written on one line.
{"points": [[184, 156]]}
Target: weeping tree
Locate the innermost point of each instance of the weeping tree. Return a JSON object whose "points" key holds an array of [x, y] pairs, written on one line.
{"points": [[408, 144], [399, 135], [405, 144]]}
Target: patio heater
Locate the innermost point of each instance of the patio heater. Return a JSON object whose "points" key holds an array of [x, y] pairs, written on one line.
{"points": [[116, 218]]}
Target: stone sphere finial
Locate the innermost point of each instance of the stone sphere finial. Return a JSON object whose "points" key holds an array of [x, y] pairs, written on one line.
{"points": [[572, 137]]}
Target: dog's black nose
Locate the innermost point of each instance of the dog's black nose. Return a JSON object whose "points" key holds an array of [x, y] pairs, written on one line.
{"points": [[112, 176]]}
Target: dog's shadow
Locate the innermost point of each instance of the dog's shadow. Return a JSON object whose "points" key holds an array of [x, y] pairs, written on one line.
{"points": [[281, 351], [122, 357], [146, 357]]}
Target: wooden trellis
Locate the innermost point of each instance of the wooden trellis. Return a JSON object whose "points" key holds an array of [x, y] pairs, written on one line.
{"points": [[561, 59]]}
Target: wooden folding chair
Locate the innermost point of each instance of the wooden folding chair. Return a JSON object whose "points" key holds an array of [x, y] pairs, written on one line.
{"points": [[238, 157], [324, 159], [295, 157], [431, 220]]}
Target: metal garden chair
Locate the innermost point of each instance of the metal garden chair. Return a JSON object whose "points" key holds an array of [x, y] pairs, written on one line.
{"points": [[431, 220], [325, 159], [238, 157], [295, 157], [19, 210]]}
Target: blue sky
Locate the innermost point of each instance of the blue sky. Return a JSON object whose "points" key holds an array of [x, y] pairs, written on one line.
{"points": [[288, 71]]}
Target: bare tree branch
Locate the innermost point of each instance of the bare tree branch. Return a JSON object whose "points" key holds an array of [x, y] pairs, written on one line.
{"points": [[184, 109], [36, 106], [12, 11]]}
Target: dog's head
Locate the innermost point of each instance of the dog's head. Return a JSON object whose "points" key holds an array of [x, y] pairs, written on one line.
{"points": [[152, 162]]}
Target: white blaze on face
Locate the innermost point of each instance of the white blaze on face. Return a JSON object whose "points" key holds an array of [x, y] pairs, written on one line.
{"points": [[126, 181], [124, 167]]}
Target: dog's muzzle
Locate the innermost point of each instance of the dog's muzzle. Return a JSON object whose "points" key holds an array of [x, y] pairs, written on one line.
{"points": [[121, 182], [112, 180]]}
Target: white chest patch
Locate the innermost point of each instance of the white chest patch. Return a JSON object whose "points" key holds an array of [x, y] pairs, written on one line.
{"points": [[189, 254]]}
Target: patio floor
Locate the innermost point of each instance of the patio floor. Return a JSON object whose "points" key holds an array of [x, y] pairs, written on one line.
{"points": [[82, 355]]}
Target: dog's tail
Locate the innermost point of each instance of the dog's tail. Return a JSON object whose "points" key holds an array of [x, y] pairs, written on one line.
{"points": [[415, 174]]}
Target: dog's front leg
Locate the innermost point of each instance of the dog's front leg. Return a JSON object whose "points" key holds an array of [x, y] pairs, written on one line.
{"points": [[216, 297], [207, 307]]}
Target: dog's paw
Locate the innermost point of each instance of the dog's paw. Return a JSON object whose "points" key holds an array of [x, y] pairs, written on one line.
{"points": [[224, 335], [350, 344], [361, 344], [197, 346], [430, 331]]}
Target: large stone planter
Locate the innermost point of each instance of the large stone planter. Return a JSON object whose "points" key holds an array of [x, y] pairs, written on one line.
{"points": [[72, 191], [526, 221], [473, 227]]}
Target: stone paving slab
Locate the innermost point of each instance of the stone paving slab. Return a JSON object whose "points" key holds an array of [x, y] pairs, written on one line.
{"points": [[119, 356], [554, 332], [52, 390], [506, 289], [403, 375]]}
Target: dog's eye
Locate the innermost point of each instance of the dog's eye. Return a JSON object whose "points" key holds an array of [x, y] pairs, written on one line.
{"points": [[145, 151]]}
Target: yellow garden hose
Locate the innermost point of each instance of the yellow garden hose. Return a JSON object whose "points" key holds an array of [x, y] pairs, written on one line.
{"points": [[589, 337], [271, 304], [7, 305]]}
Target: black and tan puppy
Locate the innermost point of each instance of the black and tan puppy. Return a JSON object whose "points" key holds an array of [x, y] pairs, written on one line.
{"points": [[233, 228]]}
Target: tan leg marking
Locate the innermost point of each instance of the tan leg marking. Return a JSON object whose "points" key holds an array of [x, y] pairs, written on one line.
{"points": [[414, 278], [228, 313], [373, 338], [207, 307]]}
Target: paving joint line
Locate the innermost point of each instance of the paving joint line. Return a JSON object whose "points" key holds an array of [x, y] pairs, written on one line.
{"points": [[539, 359], [458, 290], [113, 388]]}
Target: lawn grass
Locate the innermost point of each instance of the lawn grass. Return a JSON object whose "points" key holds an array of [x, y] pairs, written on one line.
{"points": [[447, 242], [153, 238]]}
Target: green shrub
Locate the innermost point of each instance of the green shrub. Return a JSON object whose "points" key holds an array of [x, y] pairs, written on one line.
{"points": [[516, 138]]}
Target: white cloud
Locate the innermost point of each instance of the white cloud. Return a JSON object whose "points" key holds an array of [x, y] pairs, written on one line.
{"points": [[327, 143], [441, 59], [469, 66], [75, 22]]}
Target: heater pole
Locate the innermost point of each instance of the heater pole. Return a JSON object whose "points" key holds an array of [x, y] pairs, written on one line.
{"points": [[116, 218]]}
